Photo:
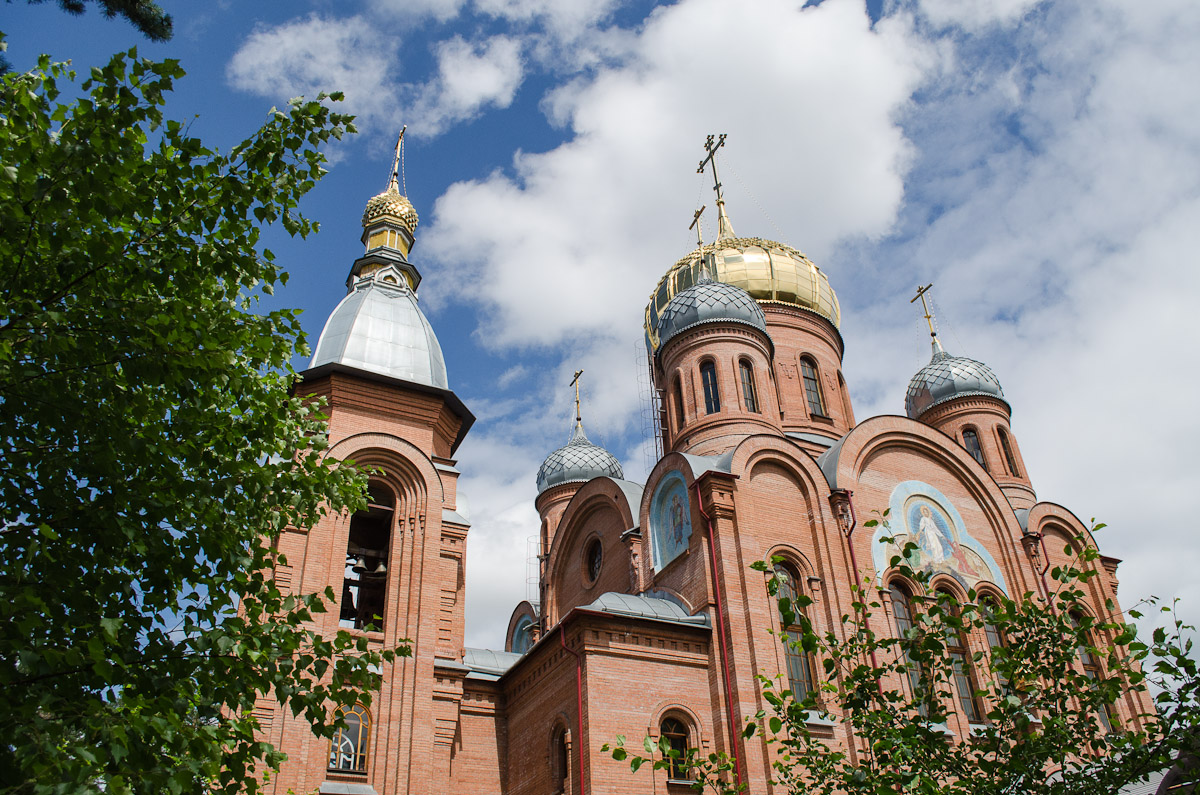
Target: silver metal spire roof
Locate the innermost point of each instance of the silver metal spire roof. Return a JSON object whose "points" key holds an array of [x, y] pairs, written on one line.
{"points": [[378, 327], [577, 462], [707, 301], [947, 377]]}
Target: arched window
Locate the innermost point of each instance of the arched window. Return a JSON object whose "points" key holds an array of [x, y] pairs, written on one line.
{"points": [[995, 638], [708, 377], [1091, 668], [964, 678], [678, 395], [560, 770], [364, 586], [902, 610], [749, 395], [812, 387], [676, 734], [845, 393], [971, 442], [1009, 458], [348, 748], [799, 664]]}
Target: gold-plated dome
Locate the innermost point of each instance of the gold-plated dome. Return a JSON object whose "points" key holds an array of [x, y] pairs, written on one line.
{"points": [[391, 206], [771, 272]]}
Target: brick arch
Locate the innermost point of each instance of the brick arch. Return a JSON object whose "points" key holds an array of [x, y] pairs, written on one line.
{"points": [[383, 450]]}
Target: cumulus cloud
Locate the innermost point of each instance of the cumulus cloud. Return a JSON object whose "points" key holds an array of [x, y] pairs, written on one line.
{"points": [[976, 15], [471, 77], [315, 54]]}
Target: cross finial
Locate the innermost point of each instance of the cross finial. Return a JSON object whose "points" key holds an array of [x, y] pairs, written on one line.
{"points": [[575, 383], [724, 227], [937, 346], [394, 181], [696, 225]]}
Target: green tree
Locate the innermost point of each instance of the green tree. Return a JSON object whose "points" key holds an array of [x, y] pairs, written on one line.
{"points": [[150, 448], [1046, 723], [146, 15]]}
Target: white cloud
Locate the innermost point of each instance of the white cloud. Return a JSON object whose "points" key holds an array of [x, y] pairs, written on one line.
{"points": [[975, 15], [315, 54], [471, 77]]}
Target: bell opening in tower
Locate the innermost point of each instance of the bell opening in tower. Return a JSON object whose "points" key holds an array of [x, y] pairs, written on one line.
{"points": [[365, 585]]}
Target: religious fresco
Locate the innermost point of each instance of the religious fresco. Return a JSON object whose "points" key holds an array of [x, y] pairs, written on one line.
{"points": [[922, 515], [670, 520]]}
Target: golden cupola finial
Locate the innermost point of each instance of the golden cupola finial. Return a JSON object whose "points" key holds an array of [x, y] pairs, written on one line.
{"points": [[724, 225], [390, 220]]}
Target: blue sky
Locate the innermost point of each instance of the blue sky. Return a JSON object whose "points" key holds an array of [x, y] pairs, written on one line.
{"points": [[1038, 161]]}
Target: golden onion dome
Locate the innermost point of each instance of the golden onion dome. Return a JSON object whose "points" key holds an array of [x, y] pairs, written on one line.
{"points": [[391, 206], [772, 273]]}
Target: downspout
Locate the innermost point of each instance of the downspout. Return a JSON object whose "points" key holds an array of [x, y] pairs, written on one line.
{"points": [[733, 730], [849, 535], [562, 636]]}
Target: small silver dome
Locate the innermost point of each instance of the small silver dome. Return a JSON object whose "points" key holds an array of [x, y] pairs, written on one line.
{"points": [[947, 377], [578, 462], [378, 327], [707, 301]]}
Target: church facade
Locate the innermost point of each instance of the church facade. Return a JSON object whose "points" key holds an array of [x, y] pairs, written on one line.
{"points": [[651, 620]]}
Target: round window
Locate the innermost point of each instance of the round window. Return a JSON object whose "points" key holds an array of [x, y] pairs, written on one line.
{"points": [[594, 559]]}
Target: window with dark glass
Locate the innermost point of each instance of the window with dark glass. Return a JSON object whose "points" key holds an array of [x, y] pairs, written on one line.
{"points": [[995, 638], [708, 378], [902, 611], [348, 748], [678, 392], [812, 387], [1092, 670], [560, 760], [595, 558], [964, 679], [676, 735], [799, 664], [749, 395], [365, 583], [1011, 459], [971, 442]]}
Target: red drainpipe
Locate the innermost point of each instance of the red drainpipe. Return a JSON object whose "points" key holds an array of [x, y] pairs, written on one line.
{"points": [[562, 636], [849, 534], [733, 730]]}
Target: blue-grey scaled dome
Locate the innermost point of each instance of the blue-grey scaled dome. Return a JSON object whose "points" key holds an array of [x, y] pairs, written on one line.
{"points": [[707, 301], [577, 462], [378, 327], [947, 377]]}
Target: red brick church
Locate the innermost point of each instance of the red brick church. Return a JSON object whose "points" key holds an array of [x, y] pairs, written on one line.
{"points": [[651, 619]]}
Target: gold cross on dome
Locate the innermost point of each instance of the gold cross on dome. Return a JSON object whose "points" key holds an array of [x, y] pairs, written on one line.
{"points": [[696, 225], [575, 383], [928, 315], [710, 149], [393, 182]]}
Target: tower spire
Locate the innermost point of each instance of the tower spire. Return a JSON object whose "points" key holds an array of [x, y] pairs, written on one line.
{"points": [[724, 226], [937, 345], [394, 182]]}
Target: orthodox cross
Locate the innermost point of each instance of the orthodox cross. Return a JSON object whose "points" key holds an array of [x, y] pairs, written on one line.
{"points": [[696, 225], [928, 315], [710, 149], [396, 160], [575, 383]]}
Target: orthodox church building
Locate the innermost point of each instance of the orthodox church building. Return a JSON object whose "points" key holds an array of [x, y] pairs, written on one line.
{"points": [[651, 619]]}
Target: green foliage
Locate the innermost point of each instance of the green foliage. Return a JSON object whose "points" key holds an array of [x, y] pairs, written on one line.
{"points": [[150, 449], [1042, 730], [146, 15]]}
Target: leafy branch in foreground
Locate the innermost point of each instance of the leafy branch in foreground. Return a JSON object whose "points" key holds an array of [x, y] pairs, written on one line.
{"points": [[1037, 708], [151, 450]]}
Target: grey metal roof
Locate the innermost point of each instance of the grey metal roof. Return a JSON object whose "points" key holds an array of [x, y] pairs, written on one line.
{"points": [[378, 327], [577, 462], [828, 462], [487, 661], [625, 604], [707, 301], [947, 377]]}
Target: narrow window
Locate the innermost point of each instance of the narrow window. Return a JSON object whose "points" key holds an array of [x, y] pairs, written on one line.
{"points": [[365, 583], [708, 376], [995, 638], [1006, 446], [678, 391], [964, 679], [676, 735], [971, 442], [1092, 670], [560, 761], [799, 664], [748, 392], [348, 748], [902, 610], [812, 387]]}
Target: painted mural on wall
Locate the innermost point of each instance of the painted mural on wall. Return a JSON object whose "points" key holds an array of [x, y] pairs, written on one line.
{"points": [[922, 515], [670, 520]]}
